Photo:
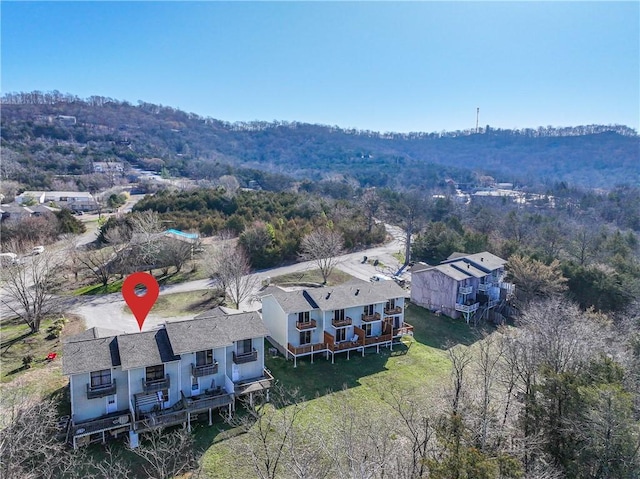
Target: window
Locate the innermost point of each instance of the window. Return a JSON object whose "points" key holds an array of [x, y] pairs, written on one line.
{"points": [[303, 317], [391, 304], [368, 310], [154, 373], [338, 315], [195, 385], [341, 334], [367, 329], [305, 337], [204, 358], [244, 346], [101, 378]]}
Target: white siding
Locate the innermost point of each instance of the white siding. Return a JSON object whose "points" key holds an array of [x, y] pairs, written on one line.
{"points": [[275, 319], [85, 409]]}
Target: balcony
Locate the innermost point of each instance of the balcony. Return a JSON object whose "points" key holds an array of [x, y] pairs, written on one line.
{"points": [[247, 386], [467, 308], [211, 399], [485, 286], [204, 370], [339, 323], [94, 392], [153, 385], [465, 290], [306, 348], [373, 340], [392, 311], [305, 325], [406, 329], [245, 357], [335, 347], [369, 318]]}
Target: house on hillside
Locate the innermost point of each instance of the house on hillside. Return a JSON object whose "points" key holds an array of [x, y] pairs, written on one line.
{"points": [[131, 383], [462, 285], [330, 320], [14, 213], [73, 200]]}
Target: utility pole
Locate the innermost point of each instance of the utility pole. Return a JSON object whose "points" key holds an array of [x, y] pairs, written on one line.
{"points": [[477, 118]]}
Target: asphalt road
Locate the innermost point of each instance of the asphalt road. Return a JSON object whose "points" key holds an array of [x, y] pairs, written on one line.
{"points": [[108, 311]]}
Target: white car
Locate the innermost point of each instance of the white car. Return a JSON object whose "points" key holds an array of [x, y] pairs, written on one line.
{"points": [[37, 250], [379, 277]]}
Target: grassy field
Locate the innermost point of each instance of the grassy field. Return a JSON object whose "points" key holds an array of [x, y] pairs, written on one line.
{"points": [[163, 280], [18, 342], [183, 304], [312, 276], [420, 366]]}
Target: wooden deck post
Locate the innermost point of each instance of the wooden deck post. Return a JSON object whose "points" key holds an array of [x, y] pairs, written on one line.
{"points": [[188, 421], [210, 421]]}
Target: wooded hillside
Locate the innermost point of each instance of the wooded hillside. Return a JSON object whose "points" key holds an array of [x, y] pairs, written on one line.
{"points": [[38, 143]]}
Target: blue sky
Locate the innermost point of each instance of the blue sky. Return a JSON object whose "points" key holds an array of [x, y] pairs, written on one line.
{"points": [[384, 66]]}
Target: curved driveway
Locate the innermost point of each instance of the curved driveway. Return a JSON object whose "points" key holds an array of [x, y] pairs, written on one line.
{"points": [[107, 311]]}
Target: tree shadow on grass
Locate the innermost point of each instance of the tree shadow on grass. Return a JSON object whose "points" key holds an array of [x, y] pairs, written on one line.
{"points": [[443, 332], [322, 377]]}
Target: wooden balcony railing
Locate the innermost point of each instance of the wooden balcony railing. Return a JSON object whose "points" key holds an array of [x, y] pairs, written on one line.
{"points": [[110, 421], [344, 345], [155, 384], [396, 310], [385, 338], [204, 370], [306, 348], [467, 308], [405, 329], [94, 392], [202, 402], [368, 318], [465, 290], [485, 286], [338, 323], [304, 325], [245, 357], [260, 383], [165, 418]]}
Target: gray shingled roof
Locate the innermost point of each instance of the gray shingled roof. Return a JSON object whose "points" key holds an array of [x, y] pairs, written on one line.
{"points": [[94, 333], [293, 301], [214, 331], [358, 293], [468, 268], [83, 356], [450, 271], [217, 311], [145, 349], [484, 261]]}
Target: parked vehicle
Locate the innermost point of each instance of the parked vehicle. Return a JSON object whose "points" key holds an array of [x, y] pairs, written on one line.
{"points": [[37, 250], [9, 258], [379, 277]]}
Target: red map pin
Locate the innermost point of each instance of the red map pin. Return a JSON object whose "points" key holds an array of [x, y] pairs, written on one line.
{"points": [[140, 305]]}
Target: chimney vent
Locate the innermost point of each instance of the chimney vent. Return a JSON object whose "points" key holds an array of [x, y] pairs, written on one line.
{"points": [[481, 259], [357, 291], [328, 295]]}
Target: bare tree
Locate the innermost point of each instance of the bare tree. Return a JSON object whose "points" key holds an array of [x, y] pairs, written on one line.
{"points": [[146, 226], [29, 288], [322, 246], [534, 279], [167, 454], [229, 266], [269, 428], [30, 446], [98, 262]]}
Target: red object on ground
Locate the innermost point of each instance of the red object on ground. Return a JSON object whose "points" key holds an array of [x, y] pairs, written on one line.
{"points": [[51, 356]]}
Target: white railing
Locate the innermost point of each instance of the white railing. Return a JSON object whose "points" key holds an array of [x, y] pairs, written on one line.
{"points": [[465, 289], [467, 308]]}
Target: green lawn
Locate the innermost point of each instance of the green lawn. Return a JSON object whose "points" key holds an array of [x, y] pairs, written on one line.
{"points": [[420, 366], [312, 276], [183, 304]]}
